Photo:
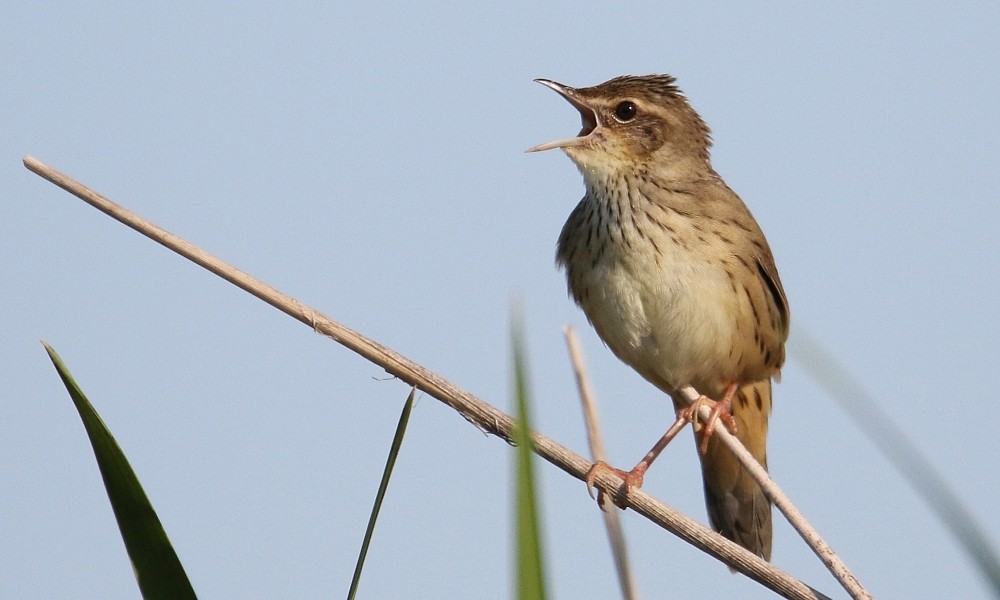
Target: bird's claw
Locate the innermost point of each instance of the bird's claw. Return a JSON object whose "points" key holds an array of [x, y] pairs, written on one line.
{"points": [[721, 411], [630, 480]]}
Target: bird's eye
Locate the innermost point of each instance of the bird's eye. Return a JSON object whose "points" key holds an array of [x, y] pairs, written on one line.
{"points": [[625, 111]]}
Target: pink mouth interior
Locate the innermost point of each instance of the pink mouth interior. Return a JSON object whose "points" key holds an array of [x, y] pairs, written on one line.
{"points": [[588, 119]]}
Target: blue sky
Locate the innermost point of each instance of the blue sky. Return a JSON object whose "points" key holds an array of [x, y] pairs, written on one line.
{"points": [[367, 158]]}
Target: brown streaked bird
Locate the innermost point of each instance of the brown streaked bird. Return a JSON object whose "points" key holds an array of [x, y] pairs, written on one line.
{"points": [[677, 278]]}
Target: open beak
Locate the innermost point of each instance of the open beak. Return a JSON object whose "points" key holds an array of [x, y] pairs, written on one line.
{"points": [[588, 117]]}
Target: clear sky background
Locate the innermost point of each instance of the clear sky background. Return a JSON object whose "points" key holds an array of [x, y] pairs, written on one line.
{"points": [[367, 158]]}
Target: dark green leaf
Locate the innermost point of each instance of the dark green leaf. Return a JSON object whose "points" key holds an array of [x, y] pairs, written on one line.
{"points": [[390, 462], [156, 566]]}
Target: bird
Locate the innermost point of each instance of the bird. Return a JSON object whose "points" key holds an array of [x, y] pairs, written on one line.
{"points": [[678, 280]]}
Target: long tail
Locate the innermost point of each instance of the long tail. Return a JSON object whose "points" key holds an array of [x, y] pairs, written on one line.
{"points": [[737, 508]]}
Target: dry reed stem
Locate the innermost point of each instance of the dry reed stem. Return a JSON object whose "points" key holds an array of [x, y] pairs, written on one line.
{"points": [[784, 504], [613, 525], [479, 413]]}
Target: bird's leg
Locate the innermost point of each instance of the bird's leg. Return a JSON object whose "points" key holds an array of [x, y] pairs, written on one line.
{"points": [[721, 409], [633, 479]]}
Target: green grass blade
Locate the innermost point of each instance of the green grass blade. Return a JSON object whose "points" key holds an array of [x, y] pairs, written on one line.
{"points": [[903, 454], [390, 462], [530, 571], [157, 568]]}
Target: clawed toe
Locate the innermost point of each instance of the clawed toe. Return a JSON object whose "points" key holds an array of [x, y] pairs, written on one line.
{"points": [[721, 411], [631, 480]]}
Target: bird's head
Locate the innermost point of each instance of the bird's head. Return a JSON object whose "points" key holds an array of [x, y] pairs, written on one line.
{"points": [[632, 121]]}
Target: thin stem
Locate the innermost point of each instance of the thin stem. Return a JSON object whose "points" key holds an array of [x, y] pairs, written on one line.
{"points": [[482, 415], [613, 525], [784, 504]]}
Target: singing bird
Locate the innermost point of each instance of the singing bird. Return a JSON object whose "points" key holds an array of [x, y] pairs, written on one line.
{"points": [[677, 278]]}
